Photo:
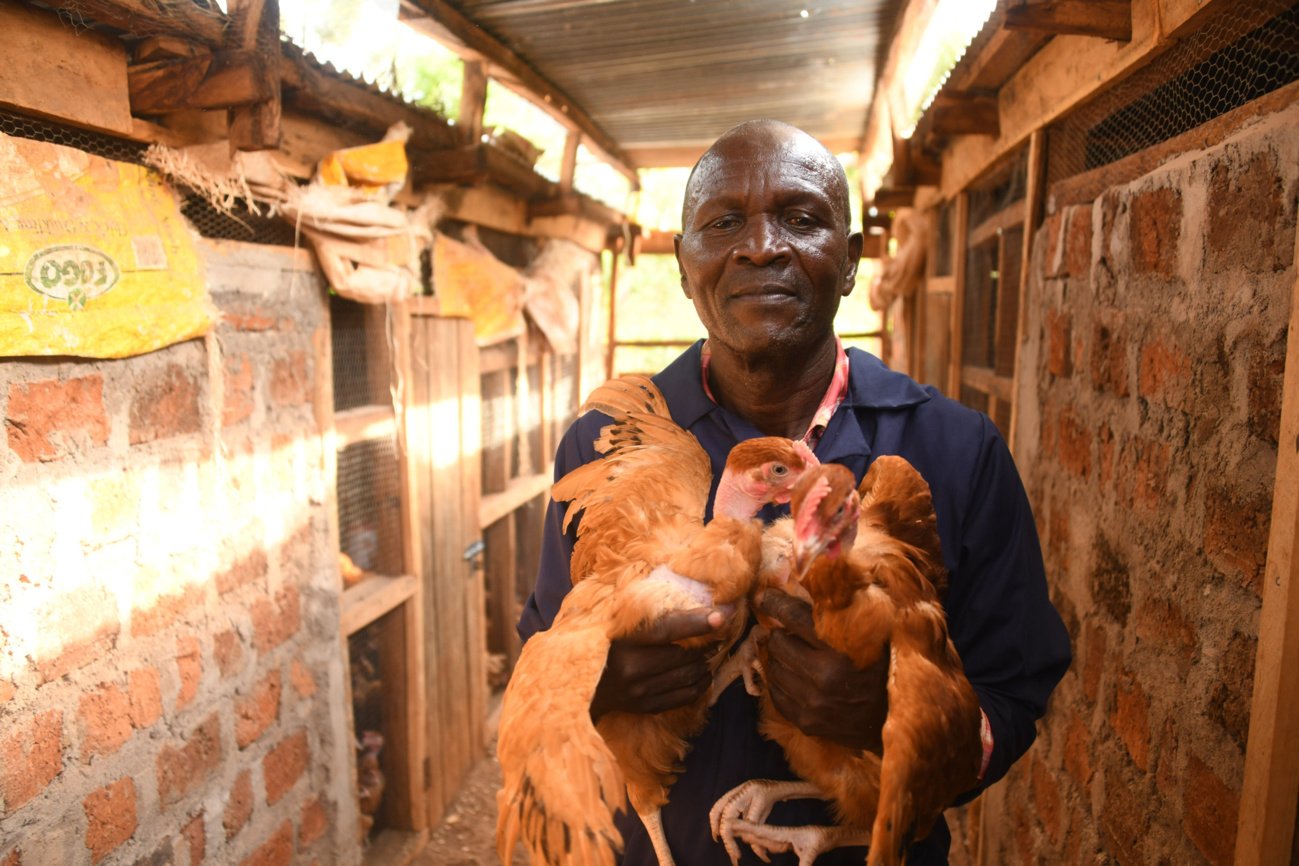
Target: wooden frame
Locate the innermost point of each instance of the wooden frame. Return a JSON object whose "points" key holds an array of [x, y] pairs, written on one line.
{"points": [[1265, 827]]}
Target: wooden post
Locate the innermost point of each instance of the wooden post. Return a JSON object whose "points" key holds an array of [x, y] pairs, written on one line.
{"points": [[1266, 824], [256, 30], [959, 250], [1034, 201], [473, 100], [613, 317], [568, 166]]}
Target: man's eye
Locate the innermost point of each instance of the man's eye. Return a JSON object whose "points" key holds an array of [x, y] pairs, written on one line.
{"points": [[726, 222], [800, 220]]}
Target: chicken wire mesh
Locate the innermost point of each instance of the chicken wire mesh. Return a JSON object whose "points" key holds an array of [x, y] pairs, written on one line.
{"points": [[359, 340], [98, 144], [1245, 51], [369, 505]]}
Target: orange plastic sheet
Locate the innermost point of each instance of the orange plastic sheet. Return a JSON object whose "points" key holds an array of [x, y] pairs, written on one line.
{"points": [[469, 281], [96, 259]]}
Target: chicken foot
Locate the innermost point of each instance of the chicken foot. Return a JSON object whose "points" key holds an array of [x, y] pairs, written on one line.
{"points": [[744, 663], [742, 812]]}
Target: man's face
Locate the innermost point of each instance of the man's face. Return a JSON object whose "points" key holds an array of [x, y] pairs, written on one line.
{"points": [[765, 252]]}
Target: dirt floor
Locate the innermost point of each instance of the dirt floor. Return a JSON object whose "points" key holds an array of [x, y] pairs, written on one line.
{"points": [[467, 837]]}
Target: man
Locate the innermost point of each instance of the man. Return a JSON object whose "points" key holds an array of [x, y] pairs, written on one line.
{"points": [[766, 252]]}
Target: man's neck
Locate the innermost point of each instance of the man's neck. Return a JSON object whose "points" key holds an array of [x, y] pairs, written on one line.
{"points": [[779, 392]]}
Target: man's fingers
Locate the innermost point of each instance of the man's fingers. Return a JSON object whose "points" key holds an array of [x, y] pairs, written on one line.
{"points": [[794, 614], [678, 626]]}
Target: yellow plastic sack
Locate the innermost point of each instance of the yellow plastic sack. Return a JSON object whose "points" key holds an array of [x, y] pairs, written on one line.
{"points": [[96, 259]]}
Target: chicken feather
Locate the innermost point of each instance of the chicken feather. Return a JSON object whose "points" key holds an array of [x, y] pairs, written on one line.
{"points": [[875, 585], [642, 550]]}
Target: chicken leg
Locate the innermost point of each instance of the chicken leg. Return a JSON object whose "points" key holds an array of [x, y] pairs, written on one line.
{"points": [[743, 811]]}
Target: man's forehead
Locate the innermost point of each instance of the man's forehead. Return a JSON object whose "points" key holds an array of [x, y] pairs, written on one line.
{"points": [[723, 171]]}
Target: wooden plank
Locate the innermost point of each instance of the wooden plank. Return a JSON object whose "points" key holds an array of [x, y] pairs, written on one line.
{"points": [[473, 42], [986, 380], [47, 65], [370, 599], [1108, 19], [500, 565], [996, 60], [1265, 826], [960, 234], [523, 412], [517, 492], [1001, 221], [568, 162], [423, 452], [471, 430], [361, 423]]}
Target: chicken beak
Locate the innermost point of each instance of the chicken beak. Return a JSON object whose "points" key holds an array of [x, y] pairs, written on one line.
{"points": [[806, 554]]}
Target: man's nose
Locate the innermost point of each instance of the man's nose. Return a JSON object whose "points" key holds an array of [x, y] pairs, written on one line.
{"points": [[762, 243]]}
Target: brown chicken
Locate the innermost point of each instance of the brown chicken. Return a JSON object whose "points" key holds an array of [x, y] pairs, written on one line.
{"points": [[642, 550], [870, 563]]}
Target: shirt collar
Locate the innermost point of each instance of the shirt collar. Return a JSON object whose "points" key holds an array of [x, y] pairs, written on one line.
{"points": [[871, 385]]}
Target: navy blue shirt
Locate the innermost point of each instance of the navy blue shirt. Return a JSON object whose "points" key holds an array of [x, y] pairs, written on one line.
{"points": [[1011, 640]]}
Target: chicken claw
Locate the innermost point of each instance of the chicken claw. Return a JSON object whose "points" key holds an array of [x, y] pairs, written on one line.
{"points": [[744, 663], [808, 842], [750, 804]]}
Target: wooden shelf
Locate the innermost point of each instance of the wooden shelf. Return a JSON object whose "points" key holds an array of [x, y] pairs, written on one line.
{"points": [[370, 599]]}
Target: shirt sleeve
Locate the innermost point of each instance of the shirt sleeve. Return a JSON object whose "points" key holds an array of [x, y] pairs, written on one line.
{"points": [[1011, 639], [553, 581]]}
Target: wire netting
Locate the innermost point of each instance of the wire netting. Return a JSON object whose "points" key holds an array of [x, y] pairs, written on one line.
{"points": [[1244, 51], [369, 505], [359, 340], [98, 144]]}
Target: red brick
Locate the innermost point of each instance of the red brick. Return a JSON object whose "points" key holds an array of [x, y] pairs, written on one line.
{"points": [[1124, 819], [182, 769], [1148, 462], [1235, 534], [1046, 798], [304, 681], [314, 823], [189, 667], [1156, 230], [276, 621], [276, 851], [239, 805], [1229, 700], [257, 712], [1251, 223], [1160, 622], [249, 320], [290, 383], [1109, 352], [146, 697], [1074, 443], [1209, 808], [1058, 336], [228, 650], [13, 858], [1078, 241], [1264, 373], [51, 419], [1093, 662], [196, 838], [1105, 456], [238, 396], [7, 689], [30, 758], [1166, 755], [87, 620], [110, 817], [165, 611], [1162, 366], [1131, 720], [284, 765], [105, 720], [165, 404], [1077, 751], [252, 567]]}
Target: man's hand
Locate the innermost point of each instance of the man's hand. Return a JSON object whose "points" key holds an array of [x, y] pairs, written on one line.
{"points": [[815, 687], [648, 673]]}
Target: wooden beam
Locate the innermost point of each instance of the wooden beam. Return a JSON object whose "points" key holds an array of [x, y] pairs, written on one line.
{"points": [[1108, 19], [204, 81], [575, 204], [513, 71], [568, 164], [188, 20], [517, 492], [476, 164], [1266, 824], [892, 198], [965, 114], [255, 28], [473, 100], [47, 66], [996, 60]]}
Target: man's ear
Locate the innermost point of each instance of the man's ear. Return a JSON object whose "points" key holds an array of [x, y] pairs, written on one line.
{"points": [[676, 250], [854, 256]]}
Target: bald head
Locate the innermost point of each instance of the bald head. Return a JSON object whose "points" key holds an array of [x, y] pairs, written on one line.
{"points": [[758, 142]]}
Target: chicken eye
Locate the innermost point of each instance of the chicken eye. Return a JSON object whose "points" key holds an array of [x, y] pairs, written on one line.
{"points": [[780, 470]]}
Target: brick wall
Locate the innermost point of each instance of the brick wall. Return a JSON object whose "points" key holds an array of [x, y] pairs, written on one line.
{"points": [[171, 684], [1150, 402]]}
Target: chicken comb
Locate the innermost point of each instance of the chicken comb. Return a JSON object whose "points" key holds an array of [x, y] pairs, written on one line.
{"points": [[805, 519]]}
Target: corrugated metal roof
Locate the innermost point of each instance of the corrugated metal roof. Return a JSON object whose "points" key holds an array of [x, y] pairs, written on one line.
{"points": [[658, 75]]}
